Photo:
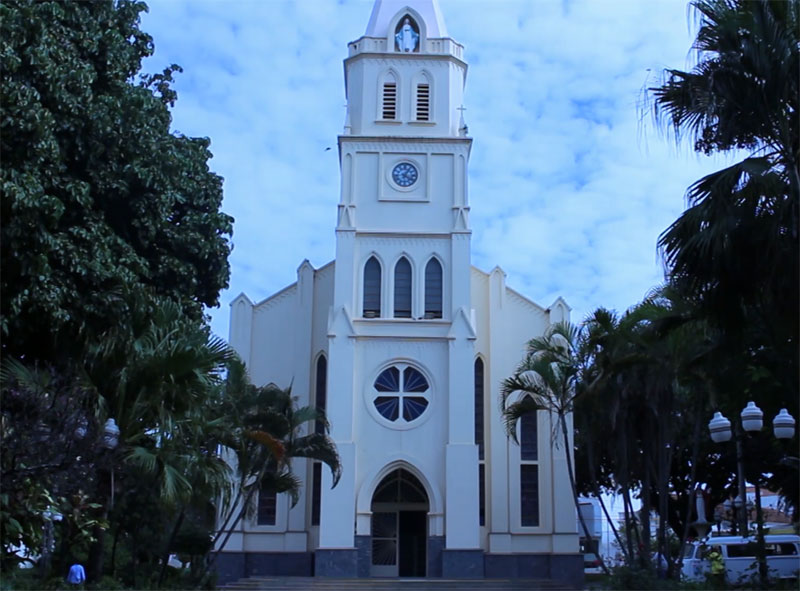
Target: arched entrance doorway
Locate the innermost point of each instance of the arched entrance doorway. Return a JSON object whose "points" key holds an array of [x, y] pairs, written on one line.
{"points": [[399, 526]]}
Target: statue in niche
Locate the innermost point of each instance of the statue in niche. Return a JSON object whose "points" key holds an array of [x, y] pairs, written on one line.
{"points": [[406, 38]]}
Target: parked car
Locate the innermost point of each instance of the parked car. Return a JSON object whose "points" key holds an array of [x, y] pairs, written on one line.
{"points": [[739, 555]]}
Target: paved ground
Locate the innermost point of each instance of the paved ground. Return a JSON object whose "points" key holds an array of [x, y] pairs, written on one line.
{"points": [[297, 583]]}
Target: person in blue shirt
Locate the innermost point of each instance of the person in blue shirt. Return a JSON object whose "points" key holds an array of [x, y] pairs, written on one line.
{"points": [[76, 576]]}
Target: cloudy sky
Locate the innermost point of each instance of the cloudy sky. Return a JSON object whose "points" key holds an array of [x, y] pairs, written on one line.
{"points": [[570, 181]]}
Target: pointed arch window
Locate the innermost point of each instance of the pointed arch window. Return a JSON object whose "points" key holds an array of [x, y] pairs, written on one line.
{"points": [[320, 401], [529, 470], [372, 288], [402, 289], [479, 407], [320, 391], [389, 98], [433, 289], [479, 440]]}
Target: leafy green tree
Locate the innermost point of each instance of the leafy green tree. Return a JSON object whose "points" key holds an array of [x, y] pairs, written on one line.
{"points": [[99, 197], [43, 463]]}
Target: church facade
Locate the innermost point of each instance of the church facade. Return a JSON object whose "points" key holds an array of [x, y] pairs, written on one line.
{"points": [[405, 344]]}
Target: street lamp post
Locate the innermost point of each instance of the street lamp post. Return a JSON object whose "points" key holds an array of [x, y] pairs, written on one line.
{"points": [[752, 421], [110, 442]]}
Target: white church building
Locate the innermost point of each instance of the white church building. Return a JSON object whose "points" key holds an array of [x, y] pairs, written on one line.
{"points": [[405, 344]]}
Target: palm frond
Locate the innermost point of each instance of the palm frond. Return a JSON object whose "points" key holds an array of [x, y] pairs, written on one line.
{"points": [[317, 446], [14, 371], [274, 445], [516, 410], [174, 485], [142, 458]]}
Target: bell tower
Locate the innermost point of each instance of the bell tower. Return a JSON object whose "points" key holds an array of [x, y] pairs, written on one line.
{"points": [[401, 329]]}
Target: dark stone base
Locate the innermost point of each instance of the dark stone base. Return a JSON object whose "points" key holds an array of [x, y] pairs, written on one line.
{"points": [[336, 563], [364, 555], [232, 566], [435, 547], [462, 564], [451, 564], [566, 568]]}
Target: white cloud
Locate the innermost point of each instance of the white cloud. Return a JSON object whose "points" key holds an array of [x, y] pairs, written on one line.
{"points": [[570, 183]]}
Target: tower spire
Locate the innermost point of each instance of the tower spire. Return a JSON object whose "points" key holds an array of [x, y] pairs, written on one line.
{"points": [[384, 10]]}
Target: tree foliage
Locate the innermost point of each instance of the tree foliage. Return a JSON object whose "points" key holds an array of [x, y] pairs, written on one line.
{"points": [[735, 248], [99, 197], [113, 243]]}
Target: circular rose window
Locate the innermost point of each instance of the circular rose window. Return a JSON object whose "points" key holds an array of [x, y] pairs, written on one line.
{"points": [[400, 394]]}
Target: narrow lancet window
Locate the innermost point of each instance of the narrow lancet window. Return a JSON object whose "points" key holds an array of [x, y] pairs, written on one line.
{"points": [[321, 391], [402, 289], [433, 289], [372, 288], [479, 440], [479, 407], [529, 470]]}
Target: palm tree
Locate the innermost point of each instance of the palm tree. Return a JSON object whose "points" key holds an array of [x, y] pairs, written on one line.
{"points": [[735, 249], [269, 430], [547, 379]]}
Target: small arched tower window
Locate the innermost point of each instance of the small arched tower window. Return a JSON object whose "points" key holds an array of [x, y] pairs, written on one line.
{"points": [[389, 97], [372, 288], [402, 289], [406, 35], [433, 289], [422, 89]]}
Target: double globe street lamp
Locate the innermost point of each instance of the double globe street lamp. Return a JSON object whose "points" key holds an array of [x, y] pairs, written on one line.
{"points": [[752, 421]]}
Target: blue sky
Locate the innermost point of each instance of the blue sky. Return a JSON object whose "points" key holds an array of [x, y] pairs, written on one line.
{"points": [[570, 181]]}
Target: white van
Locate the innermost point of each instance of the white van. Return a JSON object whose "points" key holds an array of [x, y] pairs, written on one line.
{"points": [[739, 555]]}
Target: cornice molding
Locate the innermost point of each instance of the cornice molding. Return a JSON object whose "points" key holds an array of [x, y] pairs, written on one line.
{"points": [[408, 59], [362, 143]]}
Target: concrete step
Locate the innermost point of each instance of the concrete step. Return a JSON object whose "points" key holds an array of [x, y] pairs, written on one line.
{"points": [[398, 584]]}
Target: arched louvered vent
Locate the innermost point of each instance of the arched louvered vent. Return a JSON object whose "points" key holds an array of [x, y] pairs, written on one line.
{"points": [[389, 99], [423, 102]]}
